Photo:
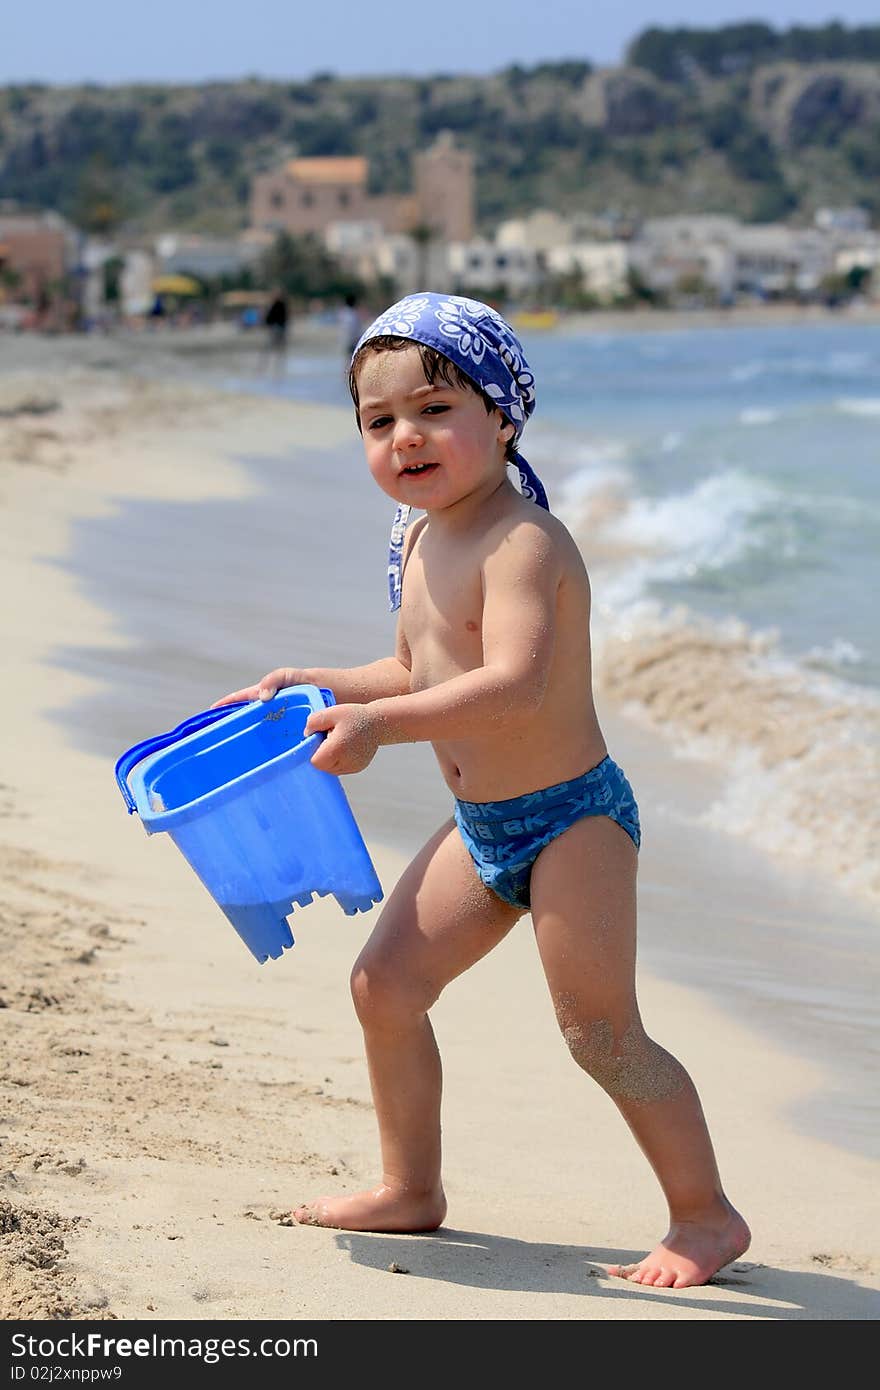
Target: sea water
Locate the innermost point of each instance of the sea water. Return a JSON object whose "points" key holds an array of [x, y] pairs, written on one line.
{"points": [[725, 494]]}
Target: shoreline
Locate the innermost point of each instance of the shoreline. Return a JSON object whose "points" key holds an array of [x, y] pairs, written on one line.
{"points": [[737, 316], [313, 332], [239, 1087]]}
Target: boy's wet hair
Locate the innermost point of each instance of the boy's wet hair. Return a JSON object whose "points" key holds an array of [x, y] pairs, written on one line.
{"points": [[435, 366]]}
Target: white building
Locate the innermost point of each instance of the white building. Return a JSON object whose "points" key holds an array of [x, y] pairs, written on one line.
{"points": [[135, 282], [540, 231], [842, 219], [486, 265], [352, 240], [772, 260], [603, 266], [208, 257], [409, 263], [734, 258], [670, 252]]}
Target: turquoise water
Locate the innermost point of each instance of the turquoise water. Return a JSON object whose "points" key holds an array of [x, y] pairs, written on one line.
{"points": [[749, 460]]}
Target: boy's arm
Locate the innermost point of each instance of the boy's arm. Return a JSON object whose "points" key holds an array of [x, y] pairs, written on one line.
{"points": [[521, 580]]}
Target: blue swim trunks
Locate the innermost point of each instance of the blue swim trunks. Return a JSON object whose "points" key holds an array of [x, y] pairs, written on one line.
{"points": [[504, 838]]}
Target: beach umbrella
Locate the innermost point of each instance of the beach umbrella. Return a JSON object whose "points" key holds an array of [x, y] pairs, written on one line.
{"points": [[175, 284]]}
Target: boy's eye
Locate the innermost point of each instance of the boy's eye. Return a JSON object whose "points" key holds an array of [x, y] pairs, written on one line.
{"points": [[438, 408], [380, 422]]}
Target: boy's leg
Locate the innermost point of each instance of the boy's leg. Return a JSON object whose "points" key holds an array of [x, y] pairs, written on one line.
{"points": [[439, 920], [583, 891]]}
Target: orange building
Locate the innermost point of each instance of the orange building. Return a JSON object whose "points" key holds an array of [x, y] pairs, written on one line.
{"points": [[310, 195]]}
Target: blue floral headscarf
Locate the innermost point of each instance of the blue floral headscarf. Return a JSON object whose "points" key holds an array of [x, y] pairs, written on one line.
{"points": [[484, 346]]}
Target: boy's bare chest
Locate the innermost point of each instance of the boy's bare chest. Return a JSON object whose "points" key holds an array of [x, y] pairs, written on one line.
{"points": [[442, 613]]}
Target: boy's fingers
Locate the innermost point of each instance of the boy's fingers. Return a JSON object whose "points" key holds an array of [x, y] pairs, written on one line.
{"points": [[321, 759], [232, 699], [275, 681], [318, 721]]}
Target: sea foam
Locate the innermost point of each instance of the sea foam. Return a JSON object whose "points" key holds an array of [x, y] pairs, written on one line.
{"points": [[800, 746]]}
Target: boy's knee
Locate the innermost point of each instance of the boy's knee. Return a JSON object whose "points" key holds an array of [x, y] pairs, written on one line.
{"points": [[382, 993], [591, 1044], [629, 1066]]}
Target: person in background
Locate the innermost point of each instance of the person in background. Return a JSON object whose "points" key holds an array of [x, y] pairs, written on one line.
{"points": [[352, 325], [277, 322]]}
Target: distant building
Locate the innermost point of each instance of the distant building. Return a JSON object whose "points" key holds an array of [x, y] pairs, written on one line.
{"points": [[603, 266], [135, 282], [444, 190], [541, 230], [479, 266], [39, 249], [410, 264], [771, 260], [842, 219], [544, 229], [206, 257], [306, 195], [484, 265], [312, 195], [763, 260]]}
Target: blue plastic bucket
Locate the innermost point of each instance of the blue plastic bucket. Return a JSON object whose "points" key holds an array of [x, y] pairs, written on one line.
{"points": [[235, 789]]}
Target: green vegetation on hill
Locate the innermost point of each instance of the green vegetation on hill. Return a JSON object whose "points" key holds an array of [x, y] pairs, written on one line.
{"points": [[683, 55], [742, 120]]}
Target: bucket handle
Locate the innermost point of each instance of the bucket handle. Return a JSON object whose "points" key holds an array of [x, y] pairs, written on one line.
{"points": [[136, 754]]}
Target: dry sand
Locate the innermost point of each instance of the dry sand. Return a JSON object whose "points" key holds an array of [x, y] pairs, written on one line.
{"points": [[163, 1095]]}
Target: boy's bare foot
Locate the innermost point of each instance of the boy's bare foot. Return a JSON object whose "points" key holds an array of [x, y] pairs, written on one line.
{"points": [[383, 1209], [691, 1253]]}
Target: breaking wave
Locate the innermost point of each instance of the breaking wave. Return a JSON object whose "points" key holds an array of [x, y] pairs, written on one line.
{"points": [[800, 746]]}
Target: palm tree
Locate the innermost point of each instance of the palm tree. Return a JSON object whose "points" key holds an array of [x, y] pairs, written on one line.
{"points": [[422, 234]]}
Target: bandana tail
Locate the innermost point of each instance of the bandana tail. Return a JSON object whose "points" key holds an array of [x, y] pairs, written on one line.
{"points": [[531, 484], [395, 556]]}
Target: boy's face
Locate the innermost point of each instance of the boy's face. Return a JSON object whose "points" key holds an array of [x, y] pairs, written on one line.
{"points": [[429, 446]]}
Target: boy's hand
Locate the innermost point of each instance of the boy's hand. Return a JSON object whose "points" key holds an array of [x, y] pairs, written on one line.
{"points": [[264, 689], [352, 738]]}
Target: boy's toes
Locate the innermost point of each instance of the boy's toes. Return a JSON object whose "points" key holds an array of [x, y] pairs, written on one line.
{"points": [[307, 1216]]}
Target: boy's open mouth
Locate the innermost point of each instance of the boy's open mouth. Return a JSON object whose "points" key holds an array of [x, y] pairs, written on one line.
{"points": [[416, 470]]}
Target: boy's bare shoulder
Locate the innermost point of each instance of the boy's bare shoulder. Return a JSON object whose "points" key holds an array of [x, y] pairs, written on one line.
{"points": [[533, 530], [411, 536]]}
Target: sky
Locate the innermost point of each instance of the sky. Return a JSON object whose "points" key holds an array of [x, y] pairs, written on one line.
{"points": [[105, 41]]}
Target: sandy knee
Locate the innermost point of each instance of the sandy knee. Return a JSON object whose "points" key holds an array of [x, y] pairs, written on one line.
{"points": [[626, 1063]]}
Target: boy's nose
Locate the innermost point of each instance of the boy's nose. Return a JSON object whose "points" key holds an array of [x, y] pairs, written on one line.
{"points": [[407, 435]]}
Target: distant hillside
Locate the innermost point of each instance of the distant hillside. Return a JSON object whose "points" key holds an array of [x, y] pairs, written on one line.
{"points": [[743, 119]]}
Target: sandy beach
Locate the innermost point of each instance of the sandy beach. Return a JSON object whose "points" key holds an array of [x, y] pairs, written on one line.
{"points": [[166, 1100]]}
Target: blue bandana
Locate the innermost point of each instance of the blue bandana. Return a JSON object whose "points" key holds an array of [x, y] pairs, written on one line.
{"points": [[484, 346]]}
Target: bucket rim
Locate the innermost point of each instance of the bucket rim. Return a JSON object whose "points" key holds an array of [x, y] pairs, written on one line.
{"points": [[153, 820]]}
